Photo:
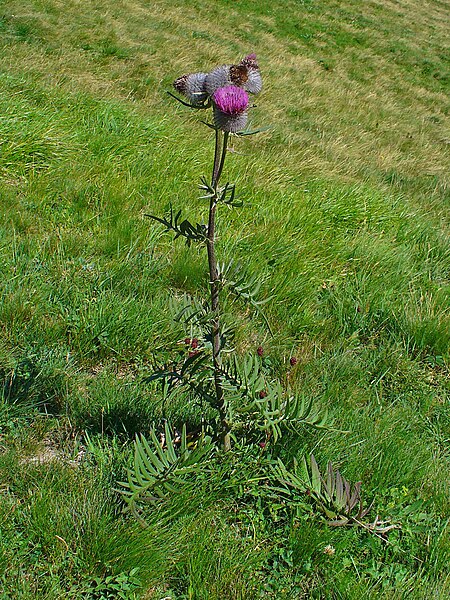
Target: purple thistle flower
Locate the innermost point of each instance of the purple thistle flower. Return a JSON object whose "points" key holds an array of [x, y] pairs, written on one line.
{"points": [[230, 108], [231, 99]]}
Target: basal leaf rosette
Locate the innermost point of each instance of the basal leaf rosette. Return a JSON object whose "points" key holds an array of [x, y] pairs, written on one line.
{"points": [[230, 108]]}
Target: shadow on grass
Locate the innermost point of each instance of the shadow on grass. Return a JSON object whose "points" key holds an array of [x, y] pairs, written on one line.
{"points": [[28, 388]]}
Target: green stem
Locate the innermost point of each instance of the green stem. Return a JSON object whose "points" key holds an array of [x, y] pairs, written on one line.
{"points": [[222, 158], [219, 160]]}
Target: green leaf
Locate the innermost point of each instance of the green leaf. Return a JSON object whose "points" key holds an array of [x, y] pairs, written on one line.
{"points": [[330, 481], [159, 470], [192, 233], [315, 479], [184, 103], [339, 493], [304, 473], [253, 131]]}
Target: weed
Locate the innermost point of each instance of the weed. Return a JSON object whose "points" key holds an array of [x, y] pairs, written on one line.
{"points": [[347, 229]]}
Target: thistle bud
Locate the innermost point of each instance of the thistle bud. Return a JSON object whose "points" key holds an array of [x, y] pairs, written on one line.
{"points": [[253, 83], [218, 78], [245, 75], [193, 87]]}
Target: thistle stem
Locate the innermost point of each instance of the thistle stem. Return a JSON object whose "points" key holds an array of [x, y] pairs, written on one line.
{"points": [[220, 151]]}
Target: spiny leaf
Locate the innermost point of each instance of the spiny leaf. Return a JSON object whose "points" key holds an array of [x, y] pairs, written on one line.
{"points": [[304, 473], [334, 497], [330, 481], [184, 103], [233, 278], [339, 493], [191, 310], [316, 479], [170, 448], [355, 497], [253, 131], [159, 470], [192, 233]]}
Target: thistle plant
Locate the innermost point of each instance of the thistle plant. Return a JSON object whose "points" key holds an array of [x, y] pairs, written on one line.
{"points": [[245, 400], [237, 389]]}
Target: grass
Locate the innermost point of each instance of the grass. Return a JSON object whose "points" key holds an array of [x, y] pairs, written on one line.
{"points": [[345, 217]]}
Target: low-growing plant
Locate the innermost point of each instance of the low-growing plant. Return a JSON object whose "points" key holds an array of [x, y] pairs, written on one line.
{"points": [[338, 500], [109, 587]]}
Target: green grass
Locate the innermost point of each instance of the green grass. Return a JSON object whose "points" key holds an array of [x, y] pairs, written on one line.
{"points": [[345, 217]]}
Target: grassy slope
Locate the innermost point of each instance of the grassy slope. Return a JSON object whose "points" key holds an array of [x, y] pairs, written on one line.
{"points": [[347, 218]]}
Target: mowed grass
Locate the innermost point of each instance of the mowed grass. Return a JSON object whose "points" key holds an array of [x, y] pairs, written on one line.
{"points": [[345, 217]]}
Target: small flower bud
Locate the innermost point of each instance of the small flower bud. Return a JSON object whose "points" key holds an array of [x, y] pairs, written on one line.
{"points": [[293, 361], [194, 343], [218, 78], [187, 341], [259, 350], [262, 394]]}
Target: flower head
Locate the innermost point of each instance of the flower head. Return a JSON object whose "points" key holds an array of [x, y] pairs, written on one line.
{"points": [[226, 86], [193, 87], [230, 108], [231, 99], [253, 82], [245, 74]]}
